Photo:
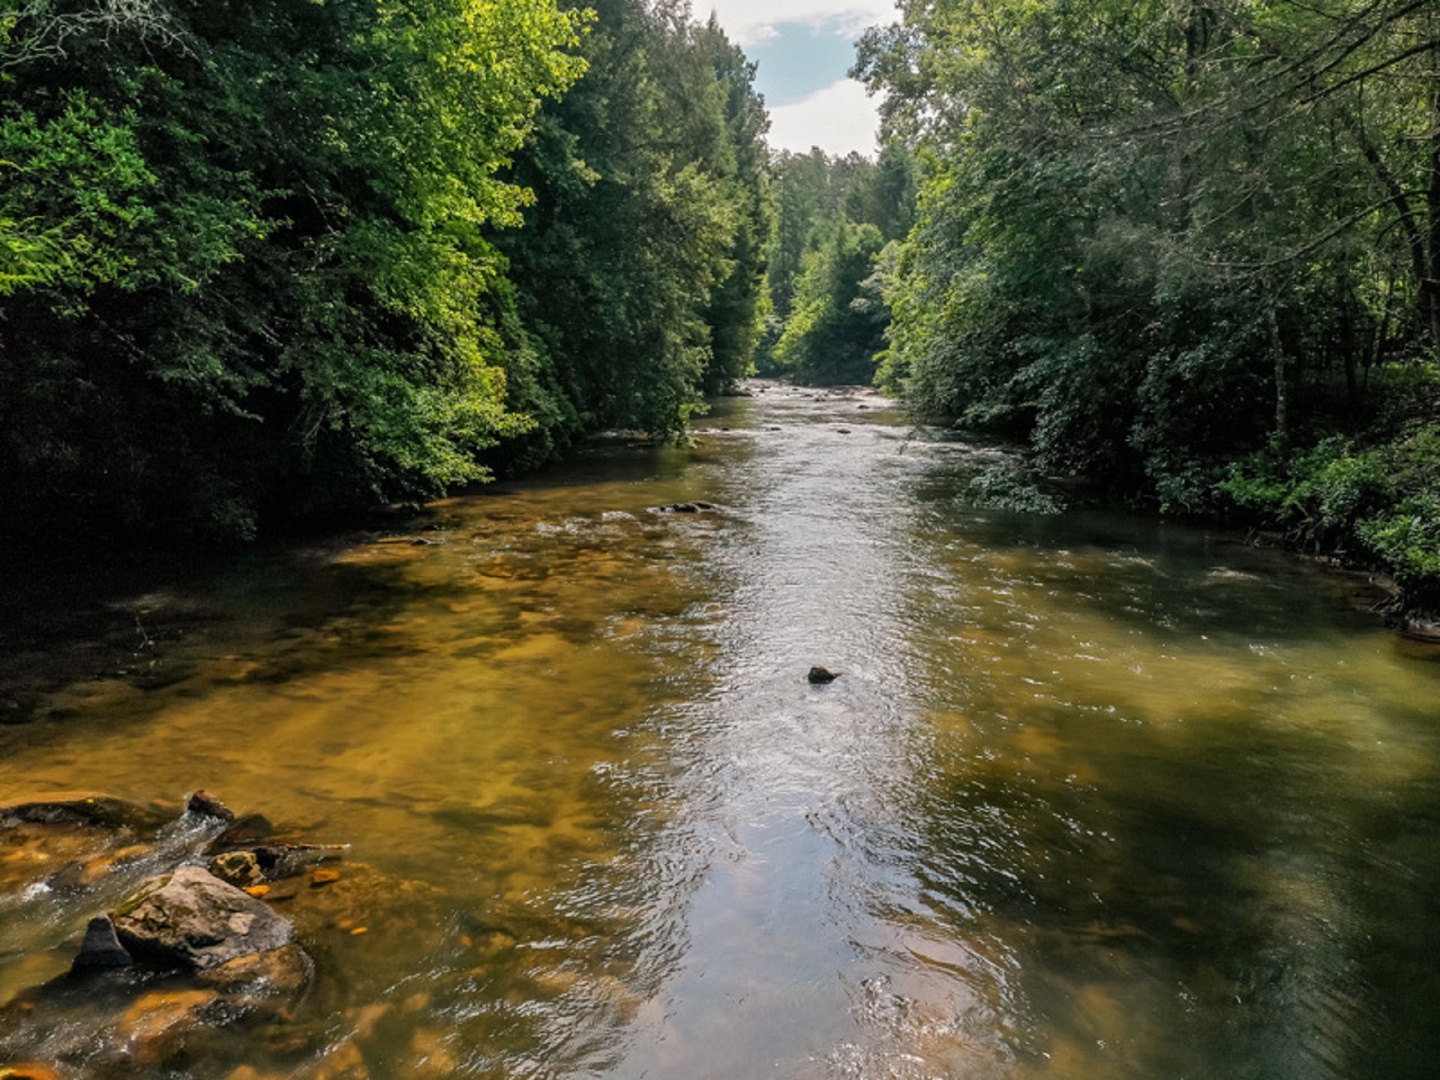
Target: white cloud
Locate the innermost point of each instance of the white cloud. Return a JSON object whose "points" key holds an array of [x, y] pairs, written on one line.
{"points": [[749, 21], [838, 119]]}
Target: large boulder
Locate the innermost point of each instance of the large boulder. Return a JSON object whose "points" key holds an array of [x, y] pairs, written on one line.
{"points": [[192, 919]]}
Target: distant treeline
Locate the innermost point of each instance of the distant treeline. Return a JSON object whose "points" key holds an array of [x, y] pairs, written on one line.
{"points": [[268, 258], [838, 221]]}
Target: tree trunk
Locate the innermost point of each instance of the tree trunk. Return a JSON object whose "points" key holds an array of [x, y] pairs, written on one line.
{"points": [[1282, 379], [1430, 286]]}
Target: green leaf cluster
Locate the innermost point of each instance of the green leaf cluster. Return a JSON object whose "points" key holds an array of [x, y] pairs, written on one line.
{"points": [[1379, 502]]}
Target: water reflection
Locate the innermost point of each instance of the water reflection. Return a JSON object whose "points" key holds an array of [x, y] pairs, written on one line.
{"points": [[1093, 797]]}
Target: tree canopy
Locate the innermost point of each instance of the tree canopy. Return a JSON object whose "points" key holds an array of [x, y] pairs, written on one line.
{"points": [[258, 259], [1177, 244]]}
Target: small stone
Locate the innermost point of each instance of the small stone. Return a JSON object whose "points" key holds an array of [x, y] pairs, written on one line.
{"points": [[257, 891], [820, 675], [101, 947], [323, 876], [203, 804]]}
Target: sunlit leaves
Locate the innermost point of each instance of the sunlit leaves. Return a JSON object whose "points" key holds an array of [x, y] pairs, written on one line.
{"points": [[267, 218]]}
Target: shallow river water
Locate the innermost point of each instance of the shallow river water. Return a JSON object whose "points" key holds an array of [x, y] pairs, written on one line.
{"points": [[1093, 797]]}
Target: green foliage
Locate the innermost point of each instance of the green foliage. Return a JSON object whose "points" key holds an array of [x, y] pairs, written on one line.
{"points": [[637, 277], [1407, 538], [1009, 486], [73, 185], [1381, 502], [1155, 238], [834, 218], [836, 324], [244, 263]]}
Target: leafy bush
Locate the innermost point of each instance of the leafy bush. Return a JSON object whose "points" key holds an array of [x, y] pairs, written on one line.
{"points": [[1008, 485], [1381, 502]]}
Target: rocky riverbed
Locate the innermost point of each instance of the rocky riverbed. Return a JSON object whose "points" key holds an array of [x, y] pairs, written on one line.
{"points": [[211, 939]]}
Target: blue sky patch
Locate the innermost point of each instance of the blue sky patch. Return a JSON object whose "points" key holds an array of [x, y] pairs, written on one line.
{"points": [[801, 59]]}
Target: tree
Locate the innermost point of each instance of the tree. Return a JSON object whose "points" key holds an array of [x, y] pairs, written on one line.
{"points": [[1146, 230], [1158, 240], [835, 328]]}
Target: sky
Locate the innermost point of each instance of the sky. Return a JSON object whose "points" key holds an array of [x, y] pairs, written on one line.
{"points": [[804, 48]]}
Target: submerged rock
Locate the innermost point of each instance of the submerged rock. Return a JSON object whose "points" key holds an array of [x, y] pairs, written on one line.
{"points": [[156, 1021], [192, 919], [78, 808], [282, 972], [345, 1062], [28, 1070]]}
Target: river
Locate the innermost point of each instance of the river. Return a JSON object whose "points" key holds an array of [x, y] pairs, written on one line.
{"points": [[1094, 796]]}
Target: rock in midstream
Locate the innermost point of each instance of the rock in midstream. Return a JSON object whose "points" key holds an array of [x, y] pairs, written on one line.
{"points": [[192, 919], [101, 948], [272, 862]]}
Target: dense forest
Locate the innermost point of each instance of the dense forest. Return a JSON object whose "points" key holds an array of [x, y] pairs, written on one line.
{"points": [[1190, 247], [265, 260], [837, 222]]}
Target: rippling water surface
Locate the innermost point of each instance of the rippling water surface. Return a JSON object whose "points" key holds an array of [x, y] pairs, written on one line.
{"points": [[1093, 796]]}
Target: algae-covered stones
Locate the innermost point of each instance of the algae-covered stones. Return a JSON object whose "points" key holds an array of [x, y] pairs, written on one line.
{"points": [[238, 868], [272, 862], [192, 919]]}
